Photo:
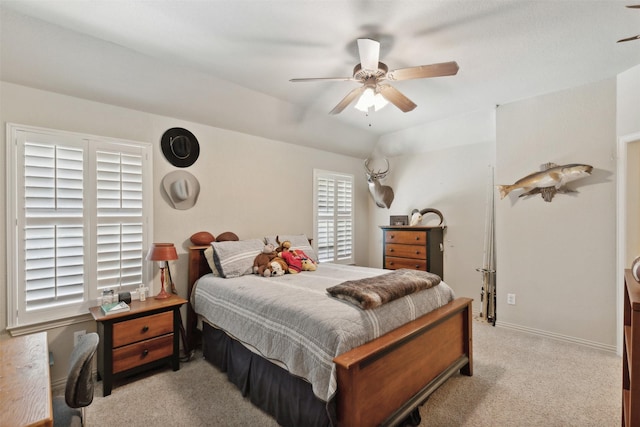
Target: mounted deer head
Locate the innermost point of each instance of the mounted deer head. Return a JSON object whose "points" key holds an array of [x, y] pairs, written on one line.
{"points": [[382, 194]]}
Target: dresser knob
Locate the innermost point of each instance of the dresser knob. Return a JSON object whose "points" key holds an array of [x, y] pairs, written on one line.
{"points": [[391, 250], [145, 328], [417, 252], [417, 267], [417, 237], [393, 236], [145, 352]]}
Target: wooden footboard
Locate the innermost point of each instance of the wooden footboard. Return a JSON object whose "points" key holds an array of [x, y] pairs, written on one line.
{"points": [[382, 381]]}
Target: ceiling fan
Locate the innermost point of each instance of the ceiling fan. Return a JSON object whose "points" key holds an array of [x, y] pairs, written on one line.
{"points": [[375, 92], [635, 6]]}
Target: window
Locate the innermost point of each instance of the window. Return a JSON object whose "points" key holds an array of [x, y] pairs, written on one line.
{"points": [[78, 208], [333, 216]]}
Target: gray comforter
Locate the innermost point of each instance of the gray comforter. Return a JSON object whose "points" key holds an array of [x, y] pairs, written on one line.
{"points": [[293, 321]]}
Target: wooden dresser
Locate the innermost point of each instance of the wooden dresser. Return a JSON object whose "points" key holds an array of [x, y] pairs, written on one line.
{"points": [[631, 353], [139, 339], [419, 248]]}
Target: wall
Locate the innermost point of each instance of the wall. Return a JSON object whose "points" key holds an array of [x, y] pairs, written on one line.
{"points": [[559, 257], [454, 180], [250, 185]]}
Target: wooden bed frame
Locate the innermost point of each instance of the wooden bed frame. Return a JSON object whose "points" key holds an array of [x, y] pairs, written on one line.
{"points": [[383, 381]]}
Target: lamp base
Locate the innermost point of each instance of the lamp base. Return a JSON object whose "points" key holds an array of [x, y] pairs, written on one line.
{"points": [[163, 294]]}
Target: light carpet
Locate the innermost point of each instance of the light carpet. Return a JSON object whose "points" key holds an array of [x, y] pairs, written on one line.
{"points": [[519, 380]]}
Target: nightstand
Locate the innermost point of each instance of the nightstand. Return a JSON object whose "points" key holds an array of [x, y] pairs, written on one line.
{"points": [[139, 339]]}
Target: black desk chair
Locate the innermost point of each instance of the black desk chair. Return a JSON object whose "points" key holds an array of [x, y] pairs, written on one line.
{"points": [[79, 389]]}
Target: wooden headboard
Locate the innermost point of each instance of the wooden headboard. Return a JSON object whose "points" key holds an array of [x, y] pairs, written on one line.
{"points": [[198, 267]]}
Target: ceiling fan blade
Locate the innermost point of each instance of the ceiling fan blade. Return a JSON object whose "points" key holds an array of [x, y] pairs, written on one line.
{"points": [[634, 6], [395, 97], [629, 39], [320, 79], [351, 96], [424, 71], [369, 51]]}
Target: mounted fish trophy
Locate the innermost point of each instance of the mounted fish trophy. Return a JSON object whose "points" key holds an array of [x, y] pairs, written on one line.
{"points": [[550, 181], [382, 194]]}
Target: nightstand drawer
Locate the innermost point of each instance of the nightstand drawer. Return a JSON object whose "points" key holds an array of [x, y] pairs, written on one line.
{"points": [[406, 251], [405, 237], [393, 263], [133, 355], [143, 328]]}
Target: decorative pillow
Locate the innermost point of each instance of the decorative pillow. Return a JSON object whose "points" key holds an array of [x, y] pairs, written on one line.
{"points": [[298, 241], [235, 258], [208, 255]]}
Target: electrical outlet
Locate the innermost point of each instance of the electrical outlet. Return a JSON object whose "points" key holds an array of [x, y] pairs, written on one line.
{"points": [[77, 335], [511, 299]]}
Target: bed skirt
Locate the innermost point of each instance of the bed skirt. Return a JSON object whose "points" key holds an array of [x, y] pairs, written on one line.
{"points": [[290, 400]]}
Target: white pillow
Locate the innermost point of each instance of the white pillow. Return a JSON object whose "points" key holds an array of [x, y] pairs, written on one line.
{"points": [[235, 258], [298, 241], [208, 255]]}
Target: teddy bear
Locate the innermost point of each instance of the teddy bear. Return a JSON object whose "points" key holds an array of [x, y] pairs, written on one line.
{"points": [[261, 263]]}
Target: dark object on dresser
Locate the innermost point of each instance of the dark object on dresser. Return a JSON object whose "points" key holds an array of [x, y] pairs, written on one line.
{"points": [[417, 248]]}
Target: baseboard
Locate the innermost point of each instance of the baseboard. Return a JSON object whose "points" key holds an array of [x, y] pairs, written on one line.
{"points": [[559, 337]]}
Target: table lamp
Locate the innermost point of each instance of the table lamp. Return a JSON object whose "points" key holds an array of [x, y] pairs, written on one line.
{"points": [[162, 252]]}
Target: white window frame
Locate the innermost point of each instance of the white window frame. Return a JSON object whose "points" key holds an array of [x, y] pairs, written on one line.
{"points": [[336, 216], [19, 320]]}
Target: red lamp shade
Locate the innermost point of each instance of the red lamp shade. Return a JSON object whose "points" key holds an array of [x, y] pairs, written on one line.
{"points": [[162, 252]]}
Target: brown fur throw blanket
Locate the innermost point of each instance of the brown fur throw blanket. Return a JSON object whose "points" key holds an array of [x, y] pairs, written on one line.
{"points": [[372, 292]]}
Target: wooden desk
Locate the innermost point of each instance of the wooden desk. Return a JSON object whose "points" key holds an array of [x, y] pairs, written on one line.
{"points": [[25, 384]]}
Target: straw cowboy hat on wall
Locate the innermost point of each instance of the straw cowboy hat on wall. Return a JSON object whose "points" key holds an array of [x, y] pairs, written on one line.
{"points": [[181, 188]]}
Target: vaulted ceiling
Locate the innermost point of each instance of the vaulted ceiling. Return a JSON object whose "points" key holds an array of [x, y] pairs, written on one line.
{"points": [[228, 63]]}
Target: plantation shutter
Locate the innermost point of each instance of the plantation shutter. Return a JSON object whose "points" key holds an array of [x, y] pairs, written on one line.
{"points": [[53, 225], [333, 204], [119, 239]]}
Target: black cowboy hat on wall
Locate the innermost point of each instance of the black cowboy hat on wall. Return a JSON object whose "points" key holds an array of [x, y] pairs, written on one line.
{"points": [[180, 147]]}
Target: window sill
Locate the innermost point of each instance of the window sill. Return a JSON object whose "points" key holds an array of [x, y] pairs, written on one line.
{"points": [[38, 327]]}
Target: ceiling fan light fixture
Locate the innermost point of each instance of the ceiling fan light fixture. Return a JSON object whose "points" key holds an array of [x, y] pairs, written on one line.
{"points": [[370, 100]]}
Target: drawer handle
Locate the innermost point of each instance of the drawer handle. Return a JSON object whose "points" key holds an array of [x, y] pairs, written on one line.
{"points": [[393, 236], [417, 237], [391, 263], [391, 250], [145, 352], [417, 252], [417, 266], [145, 328]]}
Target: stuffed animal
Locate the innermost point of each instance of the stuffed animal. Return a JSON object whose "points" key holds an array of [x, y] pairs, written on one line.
{"points": [[261, 263], [276, 268], [283, 266], [308, 265], [296, 259]]}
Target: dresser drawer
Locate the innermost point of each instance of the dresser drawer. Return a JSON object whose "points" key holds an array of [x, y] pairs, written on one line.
{"points": [[143, 352], [393, 263], [405, 237], [405, 251], [142, 328]]}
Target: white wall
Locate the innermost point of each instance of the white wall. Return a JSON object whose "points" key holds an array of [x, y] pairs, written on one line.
{"points": [[628, 128], [559, 257], [454, 180], [250, 185]]}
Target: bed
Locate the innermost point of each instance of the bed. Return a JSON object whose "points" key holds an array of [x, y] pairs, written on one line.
{"points": [[378, 382]]}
